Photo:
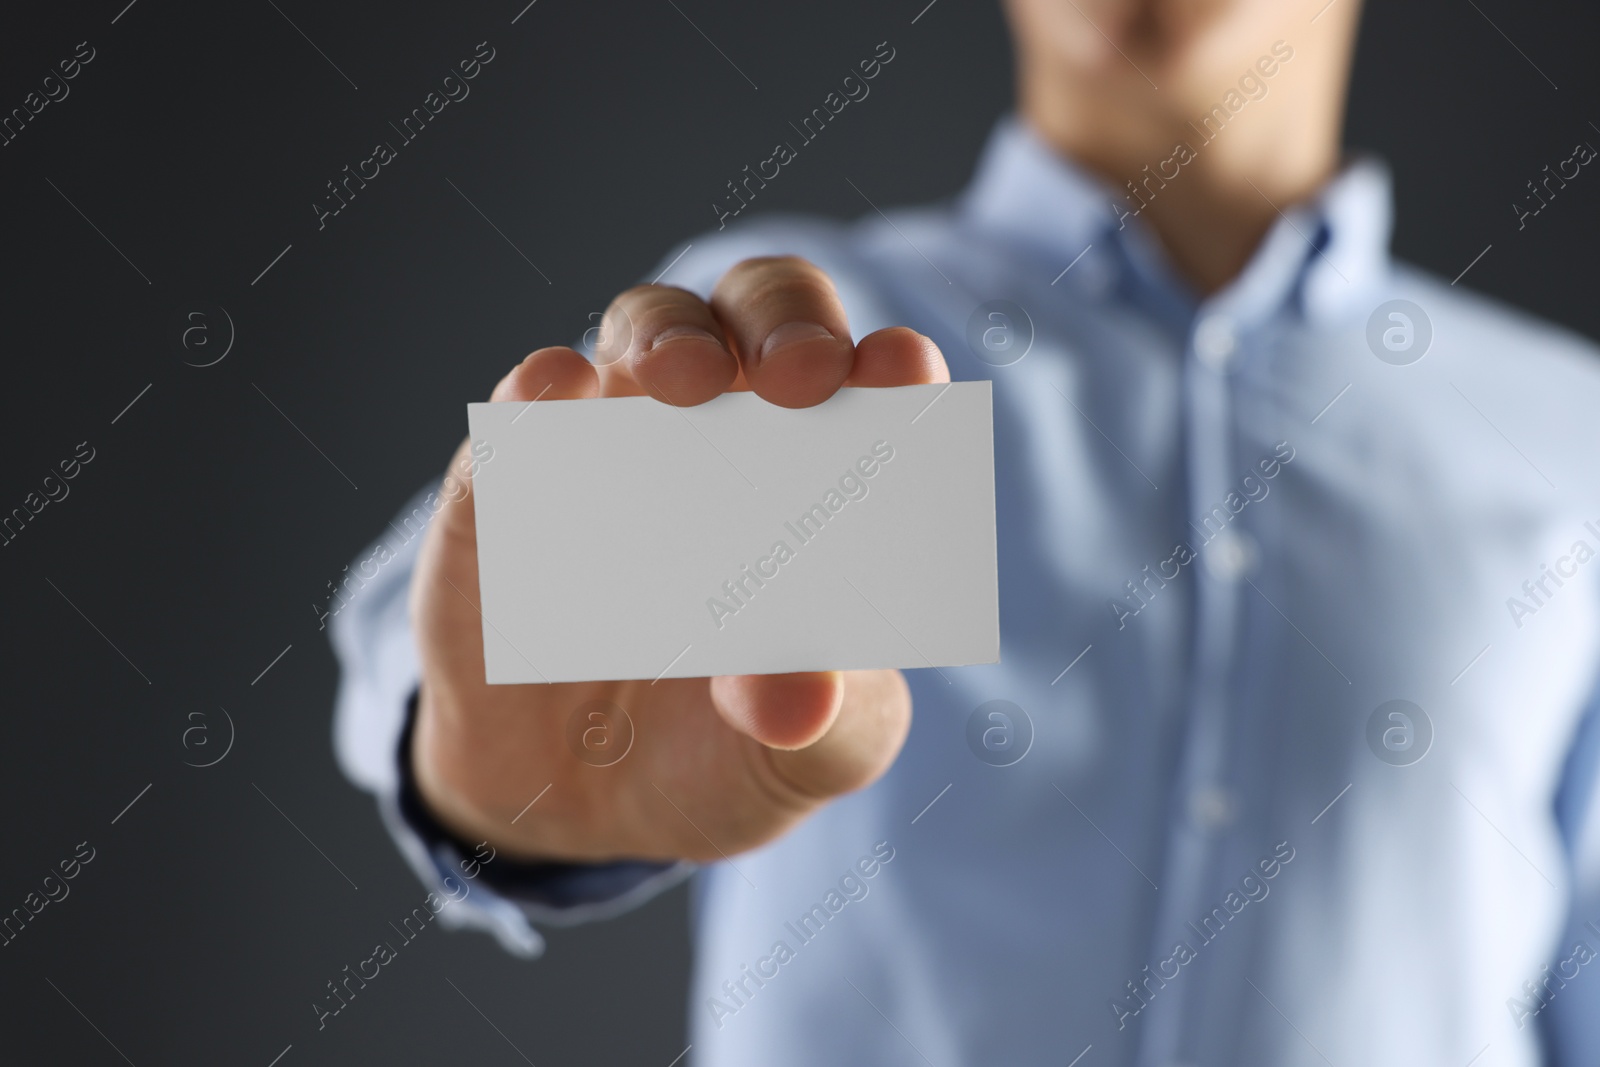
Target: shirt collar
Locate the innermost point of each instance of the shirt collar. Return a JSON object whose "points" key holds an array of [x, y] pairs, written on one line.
{"points": [[1322, 256], [1023, 189]]}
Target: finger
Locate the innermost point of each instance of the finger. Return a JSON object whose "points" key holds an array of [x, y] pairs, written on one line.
{"points": [[825, 733], [665, 342], [446, 593], [547, 374], [788, 327], [897, 356], [556, 373]]}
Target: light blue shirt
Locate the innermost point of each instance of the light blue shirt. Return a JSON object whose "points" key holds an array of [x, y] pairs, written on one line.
{"points": [[1231, 532]]}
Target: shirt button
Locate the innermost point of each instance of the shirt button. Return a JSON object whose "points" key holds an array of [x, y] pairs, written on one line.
{"points": [[1211, 808], [1215, 343], [1230, 555]]}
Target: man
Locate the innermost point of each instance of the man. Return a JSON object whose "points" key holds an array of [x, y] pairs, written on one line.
{"points": [[1296, 756]]}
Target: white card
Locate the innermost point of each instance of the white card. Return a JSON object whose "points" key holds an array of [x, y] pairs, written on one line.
{"points": [[625, 538]]}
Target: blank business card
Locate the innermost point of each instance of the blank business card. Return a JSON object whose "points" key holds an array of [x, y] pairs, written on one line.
{"points": [[624, 538]]}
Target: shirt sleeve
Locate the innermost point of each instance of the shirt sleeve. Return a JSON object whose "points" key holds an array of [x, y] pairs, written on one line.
{"points": [[1571, 1016], [369, 624]]}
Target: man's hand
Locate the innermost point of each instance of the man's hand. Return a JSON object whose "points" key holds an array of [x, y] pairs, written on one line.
{"points": [[717, 765]]}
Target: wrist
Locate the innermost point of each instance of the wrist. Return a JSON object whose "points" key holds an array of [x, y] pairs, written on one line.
{"points": [[528, 879], [441, 796]]}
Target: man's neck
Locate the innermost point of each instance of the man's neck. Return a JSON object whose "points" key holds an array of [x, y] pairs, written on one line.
{"points": [[1208, 190]]}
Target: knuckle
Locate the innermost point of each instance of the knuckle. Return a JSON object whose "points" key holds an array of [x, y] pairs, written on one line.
{"points": [[793, 299], [779, 293], [782, 262], [646, 296], [631, 297], [765, 276], [647, 309]]}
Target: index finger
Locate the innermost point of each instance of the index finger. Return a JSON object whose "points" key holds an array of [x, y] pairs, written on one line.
{"points": [[670, 346]]}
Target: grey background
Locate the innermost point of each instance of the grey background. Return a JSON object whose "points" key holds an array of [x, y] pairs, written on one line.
{"points": [[206, 526]]}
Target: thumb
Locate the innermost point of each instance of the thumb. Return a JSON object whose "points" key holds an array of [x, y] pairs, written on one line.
{"points": [[825, 733], [783, 711]]}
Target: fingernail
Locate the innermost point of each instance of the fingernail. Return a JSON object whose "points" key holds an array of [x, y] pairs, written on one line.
{"points": [[793, 333], [674, 333]]}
